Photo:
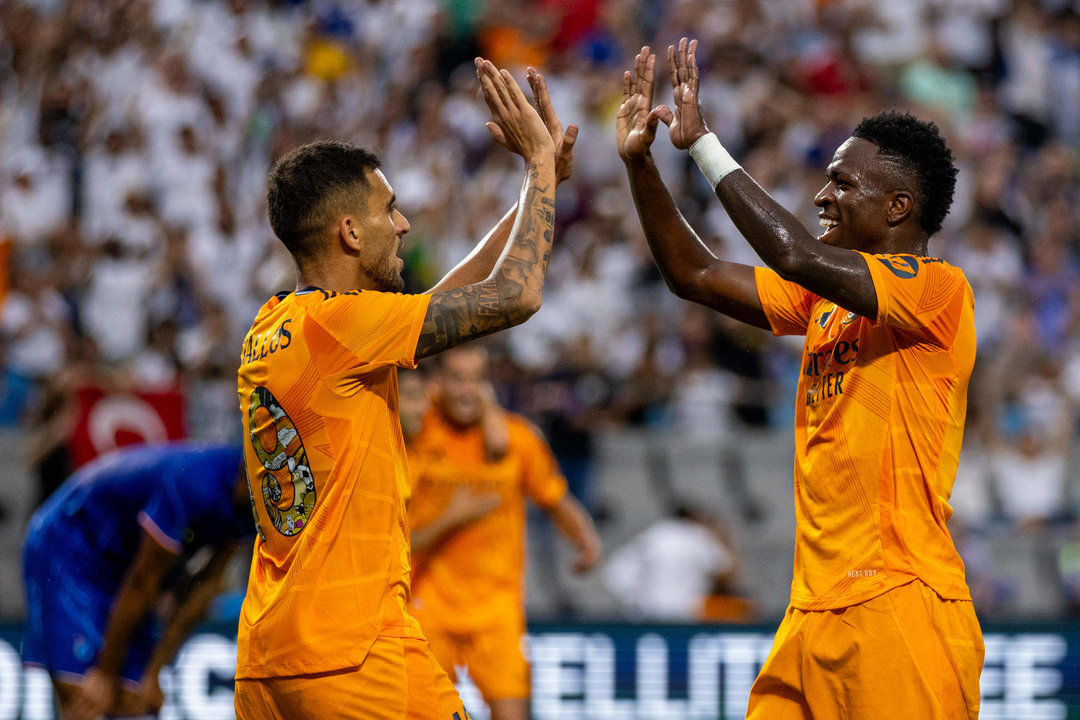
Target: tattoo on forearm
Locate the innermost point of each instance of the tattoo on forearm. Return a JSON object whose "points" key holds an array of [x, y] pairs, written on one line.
{"points": [[462, 314]]}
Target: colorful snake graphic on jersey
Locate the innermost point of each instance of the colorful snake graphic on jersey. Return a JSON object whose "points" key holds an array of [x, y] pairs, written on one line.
{"points": [[288, 487]]}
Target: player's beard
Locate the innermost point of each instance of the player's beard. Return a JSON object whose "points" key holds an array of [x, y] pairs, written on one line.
{"points": [[388, 277]]}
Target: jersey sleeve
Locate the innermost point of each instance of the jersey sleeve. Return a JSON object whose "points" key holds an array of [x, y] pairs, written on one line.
{"points": [[164, 517], [366, 330], [787, 305], [923, 296], [543, 481]]}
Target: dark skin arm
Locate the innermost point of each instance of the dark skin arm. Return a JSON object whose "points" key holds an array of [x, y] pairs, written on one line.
{"points": [[136, 598], [691, 270], [205, 586], [513, 291], [775, 234], [689, 267]]}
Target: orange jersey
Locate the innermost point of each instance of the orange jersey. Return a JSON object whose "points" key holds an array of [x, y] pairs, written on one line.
{"points": [[473, 577], [879, 418], [327, 468]]}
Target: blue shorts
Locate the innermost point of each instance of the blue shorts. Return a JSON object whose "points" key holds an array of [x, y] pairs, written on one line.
{"points": [[68, 604]]}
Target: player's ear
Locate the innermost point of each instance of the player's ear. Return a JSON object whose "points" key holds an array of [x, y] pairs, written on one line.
{"points": [[899, 205], [348, 231]]}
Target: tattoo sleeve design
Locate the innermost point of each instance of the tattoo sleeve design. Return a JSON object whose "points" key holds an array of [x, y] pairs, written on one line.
{"points": [[504, 299]]}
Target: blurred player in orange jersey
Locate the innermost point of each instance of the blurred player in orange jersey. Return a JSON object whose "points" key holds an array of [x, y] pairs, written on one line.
{"points": [[324, 631], [880, 622], [473, 465]]}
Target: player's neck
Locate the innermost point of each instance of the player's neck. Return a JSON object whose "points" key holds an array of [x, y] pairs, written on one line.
{"points": [[340, 276], [900, 244]]}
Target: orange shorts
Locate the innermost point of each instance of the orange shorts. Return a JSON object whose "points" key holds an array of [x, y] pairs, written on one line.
{"points": [[907, 653], [398, 680], [494, 657]]}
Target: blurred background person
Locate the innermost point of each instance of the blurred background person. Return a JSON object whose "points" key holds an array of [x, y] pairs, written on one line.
{"points": [[473, 466], [681, 568], [102, 551]]}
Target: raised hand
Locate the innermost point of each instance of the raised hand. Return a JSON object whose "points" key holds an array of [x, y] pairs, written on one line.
{"points": [[685, 123], [635, 123], [564, 140], [515, 124]]}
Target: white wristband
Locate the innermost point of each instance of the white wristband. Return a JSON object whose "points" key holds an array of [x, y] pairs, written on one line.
{"points": [[712, 159]]}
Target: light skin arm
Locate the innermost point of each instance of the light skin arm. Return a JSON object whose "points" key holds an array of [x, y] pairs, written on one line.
{"points": [[205, 586], [466, 506], [691, 270], [514, 289], [776, 235], [577, 527], [137, 596], [477, 266]]}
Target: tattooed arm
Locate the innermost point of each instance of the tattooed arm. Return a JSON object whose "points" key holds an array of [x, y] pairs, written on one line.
{"points": [[512, 292], [481, 261]]}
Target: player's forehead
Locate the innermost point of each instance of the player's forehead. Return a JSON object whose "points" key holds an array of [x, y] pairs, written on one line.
{"points": [[854, 157], [379, 189]]}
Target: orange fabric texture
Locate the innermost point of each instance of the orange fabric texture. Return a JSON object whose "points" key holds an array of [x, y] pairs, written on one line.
{"points": [[327, 468], [495, 657], [906, 653], [398, 680], [472, 579], [879, 419]]}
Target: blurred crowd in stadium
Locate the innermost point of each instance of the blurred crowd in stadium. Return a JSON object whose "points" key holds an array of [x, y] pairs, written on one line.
{"points": [[135, 136]]}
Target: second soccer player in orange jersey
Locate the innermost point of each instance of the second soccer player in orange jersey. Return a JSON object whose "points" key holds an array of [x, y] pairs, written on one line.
{"points": [[880, 622], [324, 631], [473, 466]]}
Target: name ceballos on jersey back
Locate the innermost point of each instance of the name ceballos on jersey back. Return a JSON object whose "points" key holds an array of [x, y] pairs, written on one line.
{"points": [[259, 345]]}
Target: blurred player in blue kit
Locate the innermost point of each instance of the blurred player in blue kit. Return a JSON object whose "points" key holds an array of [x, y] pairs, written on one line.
{"points": [[102, 551]]}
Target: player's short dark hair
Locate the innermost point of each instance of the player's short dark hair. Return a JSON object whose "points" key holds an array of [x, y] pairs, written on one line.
{"points": [[918, 148], [308, 184]]}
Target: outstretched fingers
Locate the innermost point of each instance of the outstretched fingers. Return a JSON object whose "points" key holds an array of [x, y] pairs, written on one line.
{"points": [[639, 69], [543, 103], [498, 135], [692, 70], [569, 138], [649, 81], [490, 84], [673, 66], [662, 113], [513, 92], [683, 49]]}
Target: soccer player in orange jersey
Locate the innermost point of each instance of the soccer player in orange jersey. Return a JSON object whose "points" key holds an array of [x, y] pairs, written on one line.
{"points": [[473, 465], [324, 631], [880, 622]]}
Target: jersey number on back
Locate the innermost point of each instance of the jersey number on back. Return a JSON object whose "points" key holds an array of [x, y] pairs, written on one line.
{"points": [[288, 487]]}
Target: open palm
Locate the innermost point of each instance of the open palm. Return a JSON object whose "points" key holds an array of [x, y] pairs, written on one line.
{"points": [[685, 123], [635, 123]]}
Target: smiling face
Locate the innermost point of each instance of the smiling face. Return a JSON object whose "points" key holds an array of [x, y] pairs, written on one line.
{"points": [[859, 203], [381, 227], [460, 384]]}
